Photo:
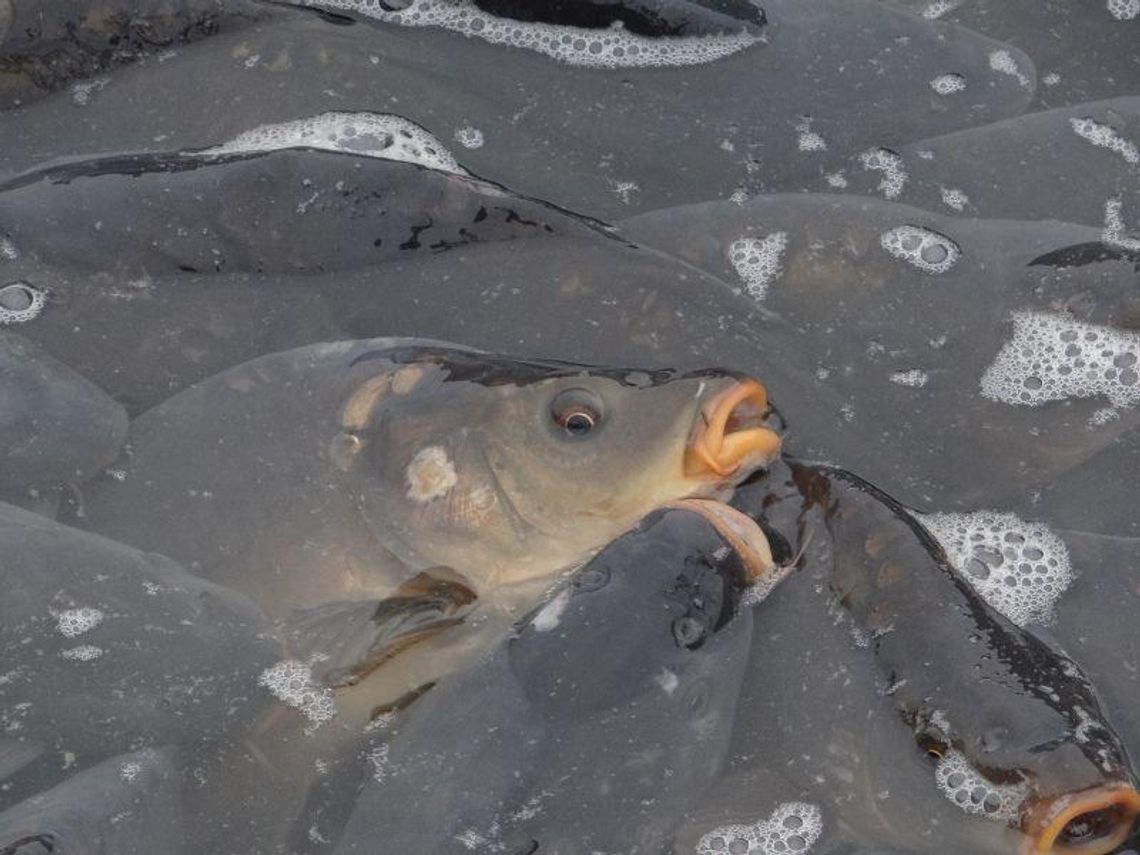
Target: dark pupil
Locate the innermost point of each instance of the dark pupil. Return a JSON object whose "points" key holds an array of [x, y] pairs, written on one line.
{"points": [[579, 423]]}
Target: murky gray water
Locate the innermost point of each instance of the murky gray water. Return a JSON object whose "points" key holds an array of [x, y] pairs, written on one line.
{"points": [[285, 564]]}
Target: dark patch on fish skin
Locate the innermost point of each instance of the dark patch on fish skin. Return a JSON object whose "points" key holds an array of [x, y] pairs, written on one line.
{"points": [[414, 241], [496, 369], [1082, 254], [16, 847]]}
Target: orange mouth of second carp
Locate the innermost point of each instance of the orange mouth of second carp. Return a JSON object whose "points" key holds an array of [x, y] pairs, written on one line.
{"points": [[1092, 822], [731, 435]]}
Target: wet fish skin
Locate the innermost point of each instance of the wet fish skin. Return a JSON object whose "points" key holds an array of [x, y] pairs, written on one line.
{"points": [[957, 673], [594, 727], [56, 427]]}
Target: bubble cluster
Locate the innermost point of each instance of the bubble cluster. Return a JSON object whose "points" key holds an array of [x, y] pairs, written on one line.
{"points": [[1020, 568], [380, 135], [82, 653], [81, 93], [938, 8], [595, 48], [75, 622], [1124, 10], [809, 140], [891, 165], [965, 787], [1002, 61], [469, 137], [1114, 233], [20, 303], [757, 261], [948, 84], [1105, 136], [793, 827], [954, 198], [1054, 357], [836, 180], [8, 250], [291, 682], [914, 378], [925, 249]]}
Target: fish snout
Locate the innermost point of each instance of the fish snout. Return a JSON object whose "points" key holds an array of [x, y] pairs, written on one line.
{"points": [[1089, 822], [731, 434]]}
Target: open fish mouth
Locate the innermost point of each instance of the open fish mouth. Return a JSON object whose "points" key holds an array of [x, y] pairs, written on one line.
{"points": [[731, 434], [1091, 822]]}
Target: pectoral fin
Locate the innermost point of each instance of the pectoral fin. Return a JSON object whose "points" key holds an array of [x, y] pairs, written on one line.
{"points": [[348, 640]]}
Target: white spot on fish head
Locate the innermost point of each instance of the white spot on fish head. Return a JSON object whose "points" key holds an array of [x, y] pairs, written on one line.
{"points": [[668, 681], [551, 614], [430, 475]]}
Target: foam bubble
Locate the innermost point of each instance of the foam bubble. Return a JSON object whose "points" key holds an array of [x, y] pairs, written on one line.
{"points": [[75, 622], [891, 165], [1051, 79], [1055, 357], [380, 135], [914, 378], [20, 303], [809, 140], [948, 84], [81, 93], [469, 137], [1002, 61], [975, 794], [8, 250], [925, 249], [938, 8], [757, 261], [291, 682], [1105, 136], [614, 47], [1114, 233], [954, 198], [1020, 568], [82, 653], [793, 827], [1124, 10]]}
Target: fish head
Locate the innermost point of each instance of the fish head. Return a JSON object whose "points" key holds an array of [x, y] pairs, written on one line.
{"points": [[511, 469]]}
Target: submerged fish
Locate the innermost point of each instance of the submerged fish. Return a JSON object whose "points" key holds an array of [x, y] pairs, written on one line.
{"points": [[370, 492], [1014, 728], [598, 723]]}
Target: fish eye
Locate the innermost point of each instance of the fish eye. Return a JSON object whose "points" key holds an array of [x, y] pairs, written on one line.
{"points": [[577, 412]]}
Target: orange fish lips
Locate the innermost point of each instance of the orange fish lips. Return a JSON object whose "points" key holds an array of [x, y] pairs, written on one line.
{"points": [[1090, 822], [731, 436]]}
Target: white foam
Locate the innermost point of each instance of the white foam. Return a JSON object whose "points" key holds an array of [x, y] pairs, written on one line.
{"points": [[976, 795], [1105, 136], [954, 198], [75, 622], [469, 137], [551, 614], [20, 303], [836, 179], [291, 682], [8, 250], [1020, 568], [758, 261], [380, 135], [891, 165], [925, 249], [1054, 357], [938, 8], [81, 93], [948, 84], [380, 760], [915, 378], [1002, 61], [1114, 233], [82, 653], [614, 47], [793, 827], [808, 139], [1053, 78], [1124, 10]]}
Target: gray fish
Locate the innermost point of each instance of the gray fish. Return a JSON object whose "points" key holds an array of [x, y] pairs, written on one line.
{"points": [[105, 648], [127, 805], [593, 728], [56, 428], [684, 147]]}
